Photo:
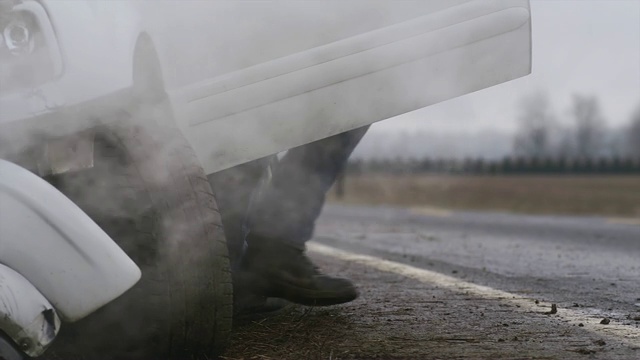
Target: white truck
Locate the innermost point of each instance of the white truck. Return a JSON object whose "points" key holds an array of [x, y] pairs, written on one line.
{"points": [[125, 107]]}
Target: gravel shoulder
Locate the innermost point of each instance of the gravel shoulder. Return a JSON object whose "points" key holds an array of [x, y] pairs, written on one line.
{"points": [[397, 317]]}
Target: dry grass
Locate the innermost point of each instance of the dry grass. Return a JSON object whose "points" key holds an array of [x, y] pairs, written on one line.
{"points": [[567, 195], [294, 333]]}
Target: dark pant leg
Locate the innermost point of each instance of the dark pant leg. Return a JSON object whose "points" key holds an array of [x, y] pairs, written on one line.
{"points": [[234, 189], [289, 206]]}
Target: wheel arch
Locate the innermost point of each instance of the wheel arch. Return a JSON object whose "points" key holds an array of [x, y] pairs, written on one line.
{"points": [[147, 69], [150, 101]]}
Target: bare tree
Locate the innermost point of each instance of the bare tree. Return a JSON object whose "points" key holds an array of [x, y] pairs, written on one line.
{"points": [[633, 134], [565, 147], [589, 126], [536, 121]]}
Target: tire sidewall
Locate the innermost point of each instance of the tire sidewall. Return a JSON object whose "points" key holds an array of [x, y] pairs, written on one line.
{"points": [[149, 193]]}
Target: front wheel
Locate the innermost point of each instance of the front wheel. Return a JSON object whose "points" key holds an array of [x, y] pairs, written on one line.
{"points": [[149, 193]]}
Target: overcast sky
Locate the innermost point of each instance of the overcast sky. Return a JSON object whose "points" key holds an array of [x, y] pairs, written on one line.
{"points": [[579, 46]]}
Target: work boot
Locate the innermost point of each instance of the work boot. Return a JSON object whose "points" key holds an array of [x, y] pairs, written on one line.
{"points": [[276, 269]]}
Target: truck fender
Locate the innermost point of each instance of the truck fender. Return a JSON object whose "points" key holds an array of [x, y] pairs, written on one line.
{"points": [[26, 317], [53, 244]]}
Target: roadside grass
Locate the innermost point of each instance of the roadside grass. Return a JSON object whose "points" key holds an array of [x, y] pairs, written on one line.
{"points": [[295, 332], [613, 196]]}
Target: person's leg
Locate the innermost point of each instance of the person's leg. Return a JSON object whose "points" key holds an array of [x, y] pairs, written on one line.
{"points": [[234, 189], [288, 208], [283, 219]]}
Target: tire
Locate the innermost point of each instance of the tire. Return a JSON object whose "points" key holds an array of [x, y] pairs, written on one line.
{"points": [[149, 193]]}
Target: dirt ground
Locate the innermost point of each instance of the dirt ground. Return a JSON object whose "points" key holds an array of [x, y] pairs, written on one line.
{"points": [[401, 318], [568, 195]]}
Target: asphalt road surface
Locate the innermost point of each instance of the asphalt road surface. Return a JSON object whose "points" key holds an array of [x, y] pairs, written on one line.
{"points": [[438, 284]]}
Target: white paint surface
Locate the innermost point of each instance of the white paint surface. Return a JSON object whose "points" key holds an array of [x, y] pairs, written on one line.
{"points": [[52, 243]]}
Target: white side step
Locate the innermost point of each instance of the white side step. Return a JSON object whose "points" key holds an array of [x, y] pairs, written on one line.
{"points": [[359, 80]]}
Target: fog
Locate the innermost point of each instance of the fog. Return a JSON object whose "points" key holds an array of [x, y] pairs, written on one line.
{"points": [[144, 82]]}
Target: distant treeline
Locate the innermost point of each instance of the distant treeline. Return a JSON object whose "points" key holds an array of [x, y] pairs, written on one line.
{"points": [[508, 165]]}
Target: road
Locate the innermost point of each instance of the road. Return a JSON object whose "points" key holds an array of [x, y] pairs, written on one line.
{"points": [[440, 284]]}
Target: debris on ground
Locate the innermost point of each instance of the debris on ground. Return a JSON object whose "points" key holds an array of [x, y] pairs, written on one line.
{"points": [[554, 310], [605, 321]]}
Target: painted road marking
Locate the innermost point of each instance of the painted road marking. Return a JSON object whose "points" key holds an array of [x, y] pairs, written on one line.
{"points": [[614, 330], [430, 211]]}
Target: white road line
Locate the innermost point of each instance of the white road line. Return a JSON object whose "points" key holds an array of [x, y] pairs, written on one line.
{"points": [[614, 330]]}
